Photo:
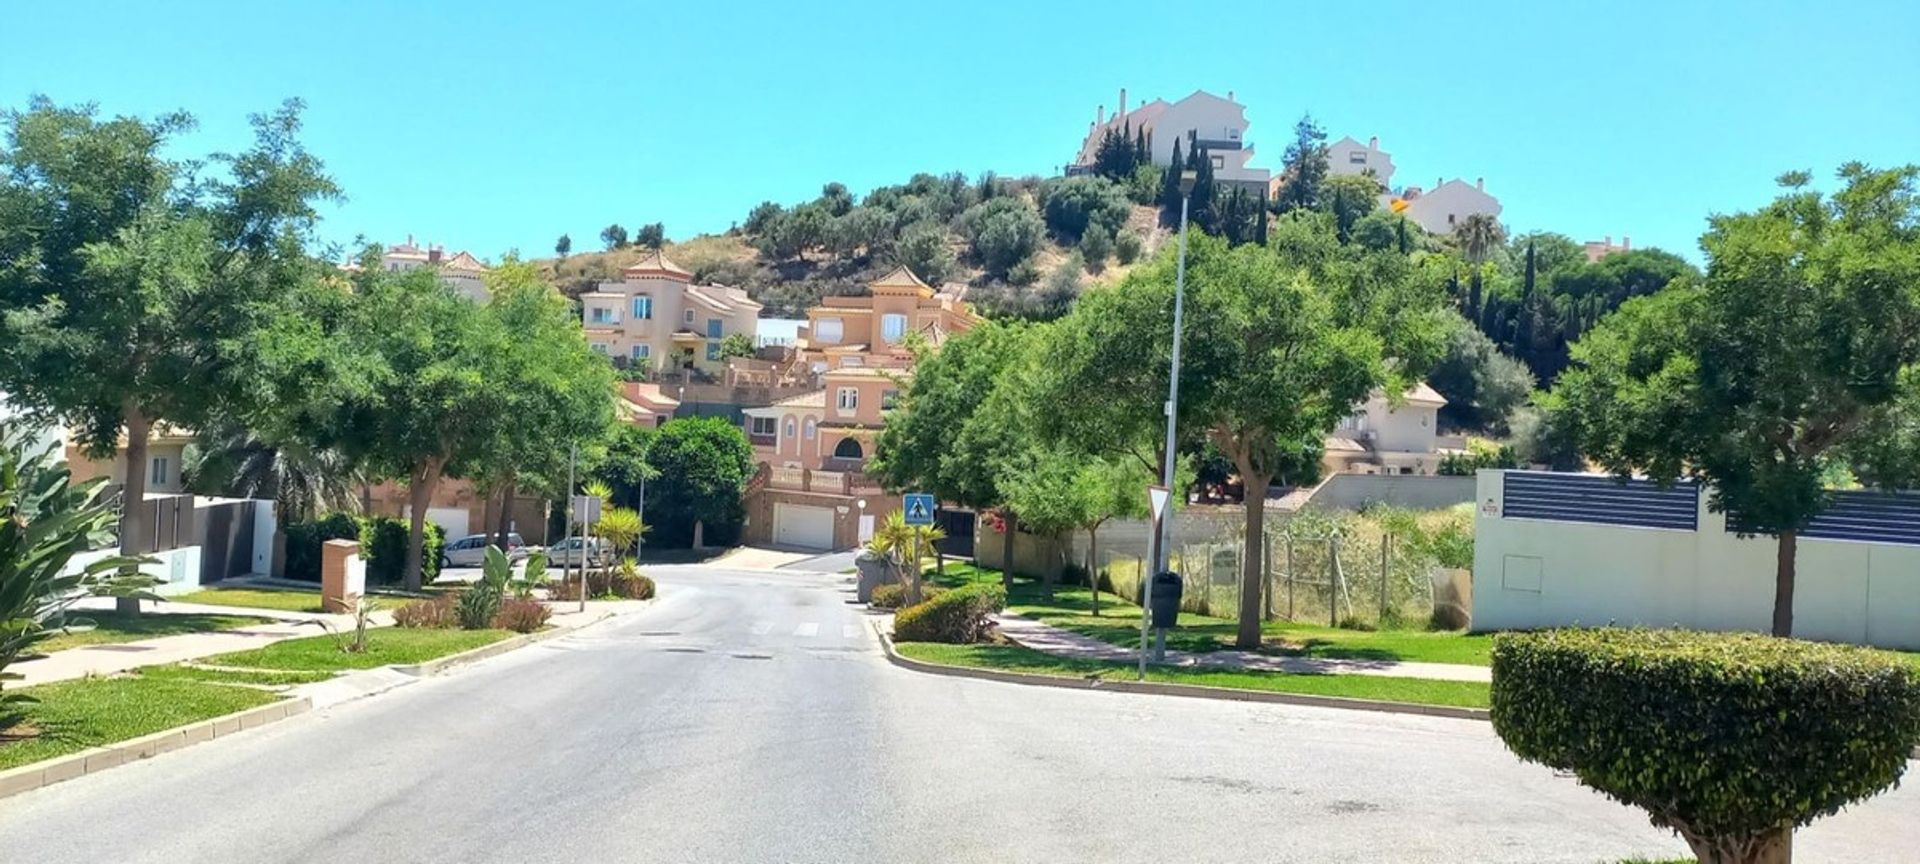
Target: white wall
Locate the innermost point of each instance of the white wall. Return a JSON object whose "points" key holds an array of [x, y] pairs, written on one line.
{"points": [[1540, 573], [1437, 210]]}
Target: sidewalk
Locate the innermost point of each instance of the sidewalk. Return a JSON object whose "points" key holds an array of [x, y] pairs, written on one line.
{"points": [[1049, 639]]}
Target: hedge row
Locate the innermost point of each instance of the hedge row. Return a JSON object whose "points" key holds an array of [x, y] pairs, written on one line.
{"points": [[960, 616], [383, 545], [1732, 736]]}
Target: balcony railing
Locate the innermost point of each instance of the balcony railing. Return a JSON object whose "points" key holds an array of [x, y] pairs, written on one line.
{"points": [[823, 482]]}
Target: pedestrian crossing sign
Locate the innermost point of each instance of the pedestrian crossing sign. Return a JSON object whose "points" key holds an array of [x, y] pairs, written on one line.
{"points": [[919, 508]]}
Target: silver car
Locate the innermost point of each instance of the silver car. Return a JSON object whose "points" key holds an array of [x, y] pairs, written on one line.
{"points": [[471, 550], [567, 553]]}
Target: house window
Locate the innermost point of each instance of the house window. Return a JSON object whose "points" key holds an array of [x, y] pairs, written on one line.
{"points": [[827, 329], [159, 475], [641, 351], [848, 448], [713, 328], [1219, 162], [850, 361], [687, 318], [713, 351], [848, 398], [791, 429], [888, 399], [1449, 218], [603, 315], [599, 347], [893, 327], [763, 426], [810, 427], [642, 307], [1357, 157]]}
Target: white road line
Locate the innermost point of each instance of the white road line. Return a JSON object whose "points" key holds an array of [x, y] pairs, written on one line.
{"points": [[808, 629], [849, 631], [762, 628]]}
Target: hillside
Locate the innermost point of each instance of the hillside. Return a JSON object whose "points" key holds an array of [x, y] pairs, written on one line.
{"points": [[1022, 246]]}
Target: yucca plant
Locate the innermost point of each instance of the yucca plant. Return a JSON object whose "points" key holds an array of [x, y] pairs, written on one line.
{"points": [[45, 519], [481, 602], [621, 528], [533, 576], [895, 540]]}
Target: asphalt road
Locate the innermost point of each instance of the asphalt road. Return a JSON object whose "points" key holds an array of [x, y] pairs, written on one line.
{"points": [[750, 717]]}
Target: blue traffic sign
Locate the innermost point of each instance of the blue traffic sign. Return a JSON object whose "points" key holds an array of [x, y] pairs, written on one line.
{"points": [[919, 508]]}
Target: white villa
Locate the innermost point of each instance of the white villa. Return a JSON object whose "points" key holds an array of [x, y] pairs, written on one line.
{"points": [[1347, 156], [1381, 438], [1200, 119], [1449, 201], [461, 270]]}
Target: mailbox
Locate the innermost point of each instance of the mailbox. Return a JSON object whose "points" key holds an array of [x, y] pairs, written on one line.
{"points": [[1166, 599]]}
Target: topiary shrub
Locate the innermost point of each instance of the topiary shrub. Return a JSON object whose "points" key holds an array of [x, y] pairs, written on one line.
{"points": [[522, 616], [435, 614], [1730, 740], [888, 596], [304, 540], [632, 584], [959, 616], [383, 543]]}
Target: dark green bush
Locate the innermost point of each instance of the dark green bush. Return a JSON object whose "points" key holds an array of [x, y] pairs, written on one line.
{"points": [[959, 616], [383, 543], [888, 596], [304, 540], [1731, 740]]}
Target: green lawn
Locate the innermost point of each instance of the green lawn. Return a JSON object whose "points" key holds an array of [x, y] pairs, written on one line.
{"points": [[285, 600], [1119, 624], [1014, 658], [271, 678], [384, 645], [76, 715], [111, 627]]}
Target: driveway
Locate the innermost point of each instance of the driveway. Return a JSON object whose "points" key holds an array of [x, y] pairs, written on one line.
{"points": [[750, 717]]}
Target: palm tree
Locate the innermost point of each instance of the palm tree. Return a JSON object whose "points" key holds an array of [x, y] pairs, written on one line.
{"points": [[1477, 235], [899, 541], [303, 481]]}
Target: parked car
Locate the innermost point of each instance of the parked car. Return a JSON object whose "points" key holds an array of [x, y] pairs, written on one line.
{"points": [[567, 553], [471, 550]]}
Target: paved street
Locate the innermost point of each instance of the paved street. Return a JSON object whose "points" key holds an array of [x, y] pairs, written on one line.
{"points": [[750, 717]]}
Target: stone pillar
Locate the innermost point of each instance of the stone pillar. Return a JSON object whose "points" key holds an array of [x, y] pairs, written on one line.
{"points": [[343, 576]]}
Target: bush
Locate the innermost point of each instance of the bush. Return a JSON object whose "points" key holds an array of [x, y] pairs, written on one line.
{"points": [[1074, 204], [959, 616], [1002, 233], [1127, 247], [1095, 247], [383, 542], [1731, 740], [304, 540], [477, 606], [1024, 273], [435, 614], [631, 584], [522, 616], [888, 596]]}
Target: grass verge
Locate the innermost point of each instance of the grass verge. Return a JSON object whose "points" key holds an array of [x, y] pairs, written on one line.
{"points": [[74, 715], [1014, 658], [288, 600], [266, 677], [110, 627], [384, 645], [1119, 624]]}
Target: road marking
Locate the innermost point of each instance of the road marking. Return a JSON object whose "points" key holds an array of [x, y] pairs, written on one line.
{"points": [[762, 628], [809, 629], [849, 631]]}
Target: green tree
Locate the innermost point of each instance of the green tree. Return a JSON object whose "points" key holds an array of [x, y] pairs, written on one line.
{"points": [[1350, 198], [1478, 235], [651, 236], [624, 468], [1044, 488], [861, 229], [614, 236], [1482, 386], [1758, 381], [704, 464], [923, 248], [563, 245], [760, 217], [1201, 210], [1074, 205], [1170, 196], [835, 198], [133, 290], [736, 345], [1306, 167], [303, 481], [1096, 246], [1001, 233]]}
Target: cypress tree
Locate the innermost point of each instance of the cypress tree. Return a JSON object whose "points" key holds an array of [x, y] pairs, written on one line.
{"points": [[1170, 189], [1203, 212], [1260, 234], [1400, 232], [1142, 148]]}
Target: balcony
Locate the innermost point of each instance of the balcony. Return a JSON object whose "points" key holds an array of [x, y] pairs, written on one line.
{"points": [[759, 440], [841, 465], [820, 482]]}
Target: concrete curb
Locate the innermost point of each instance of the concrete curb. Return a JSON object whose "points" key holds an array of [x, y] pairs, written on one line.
{"points": [[27, 778], [1193, 691]]}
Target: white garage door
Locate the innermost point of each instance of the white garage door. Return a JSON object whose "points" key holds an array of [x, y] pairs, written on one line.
{"points": [[452, 520], [804, 527]]}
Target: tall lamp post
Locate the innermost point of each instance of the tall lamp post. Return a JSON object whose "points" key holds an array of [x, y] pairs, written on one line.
{"points": [[1157, 547]]}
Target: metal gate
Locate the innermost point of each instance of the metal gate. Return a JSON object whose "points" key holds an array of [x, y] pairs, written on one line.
{"points": [[959, 526], [226, 541]]}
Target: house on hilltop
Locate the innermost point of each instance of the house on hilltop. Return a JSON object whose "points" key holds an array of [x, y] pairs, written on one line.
{"points": [[1201, 119], [655, 318]]}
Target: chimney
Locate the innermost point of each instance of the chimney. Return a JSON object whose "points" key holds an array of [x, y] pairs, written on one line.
{"points": [[409, 239], [1607, 242], [1437, 181], [1626, 243], [1100, 115], [1373, 143], [1123, 102], [1480, 183]]}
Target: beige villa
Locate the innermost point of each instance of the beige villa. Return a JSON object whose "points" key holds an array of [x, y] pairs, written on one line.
{"points": [[1384, 438], [874, 329], [656, 318]]}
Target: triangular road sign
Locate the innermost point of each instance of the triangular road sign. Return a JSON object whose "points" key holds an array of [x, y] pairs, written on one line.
{"points": [[1157, 498]]}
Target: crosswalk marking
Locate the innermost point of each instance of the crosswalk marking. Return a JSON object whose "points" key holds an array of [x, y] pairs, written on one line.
{"points": [[809, 629], [849, 631], [762, 628]]}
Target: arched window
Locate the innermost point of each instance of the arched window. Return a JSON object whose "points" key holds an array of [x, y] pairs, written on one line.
{"points": [[848, 448], [792, 428], [810, 424]]}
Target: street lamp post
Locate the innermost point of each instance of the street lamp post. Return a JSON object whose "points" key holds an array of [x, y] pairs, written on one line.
{"points": [[1157, 545]]}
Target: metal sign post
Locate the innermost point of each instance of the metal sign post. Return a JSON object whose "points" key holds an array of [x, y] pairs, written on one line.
{"points": [[1157, 497], [588, 507]]}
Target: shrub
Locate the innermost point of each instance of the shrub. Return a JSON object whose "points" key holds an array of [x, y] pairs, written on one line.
{"points": [[1024, 273], [1095, 247], [476, 607], [959, 616], [522, 616], [888, 596], [383, 543], [1074, 204], [1127, 247], [1730, 740], [434, 614], [1002, 233], [630, 583], [304, 540]]}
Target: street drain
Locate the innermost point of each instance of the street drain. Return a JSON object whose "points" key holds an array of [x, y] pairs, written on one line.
{"points": [[685, 650], [753, 656], [659, 632]]}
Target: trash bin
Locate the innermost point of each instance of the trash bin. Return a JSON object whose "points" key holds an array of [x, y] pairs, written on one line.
{"points": [[1166, 599], [874, 572]]}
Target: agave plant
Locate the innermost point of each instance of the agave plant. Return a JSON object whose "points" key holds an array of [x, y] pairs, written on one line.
{"points": [[479, 604], [533, 576], [45, 519]]}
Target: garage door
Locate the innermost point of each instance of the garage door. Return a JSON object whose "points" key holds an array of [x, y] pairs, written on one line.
{"points": [[452, 520], [804, 527]]}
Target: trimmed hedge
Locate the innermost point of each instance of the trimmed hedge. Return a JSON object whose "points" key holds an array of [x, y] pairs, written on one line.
{"points": [[958, 617], [304, 540], [1730, 739], [383, 545]]}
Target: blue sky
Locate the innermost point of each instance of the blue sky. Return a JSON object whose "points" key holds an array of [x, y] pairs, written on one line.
{"points": [[494, 125]]}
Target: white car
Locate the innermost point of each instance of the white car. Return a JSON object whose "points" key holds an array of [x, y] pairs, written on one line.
{"points": [[471, 550], [567, 553]]}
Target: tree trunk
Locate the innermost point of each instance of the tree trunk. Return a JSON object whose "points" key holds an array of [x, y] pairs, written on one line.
{"points": [[1006, 552], [420, 486], [1783, 574], [1254, 499], [505, 524], [1093, 566], [1768, 847], [134, 529]]}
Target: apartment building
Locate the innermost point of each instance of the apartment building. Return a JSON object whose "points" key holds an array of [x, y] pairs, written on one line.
{"points": [[655, 318]]}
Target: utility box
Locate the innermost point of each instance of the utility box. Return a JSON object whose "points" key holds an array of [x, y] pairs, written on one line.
{"points": [[343, 576], [1167, 586]]}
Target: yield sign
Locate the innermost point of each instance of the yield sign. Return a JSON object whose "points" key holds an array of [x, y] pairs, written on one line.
{"points": [[1157, 498], [919, 508]]}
